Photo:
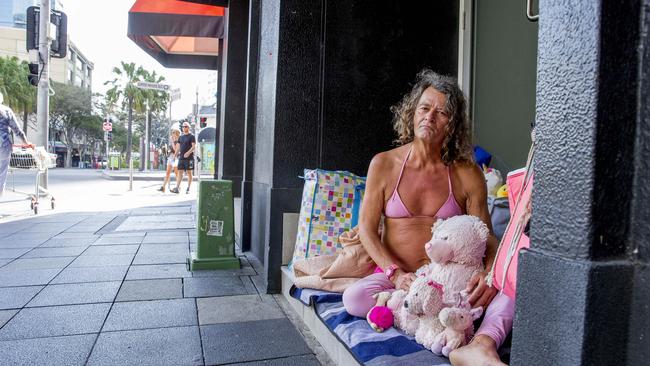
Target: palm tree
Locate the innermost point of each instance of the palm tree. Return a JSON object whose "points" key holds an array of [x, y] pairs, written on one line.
{"points": [[156, 99], [19, 94], [124, 88]]}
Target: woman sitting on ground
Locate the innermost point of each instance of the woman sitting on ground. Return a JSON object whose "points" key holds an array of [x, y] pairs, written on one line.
{"points": [[431, 176]]}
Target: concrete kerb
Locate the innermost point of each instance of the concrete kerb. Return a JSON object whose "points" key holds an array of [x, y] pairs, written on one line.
{"points": [[145, 176]]}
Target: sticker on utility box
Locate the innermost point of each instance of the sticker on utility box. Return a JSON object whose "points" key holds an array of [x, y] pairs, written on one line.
{"points": [[216, 228]]}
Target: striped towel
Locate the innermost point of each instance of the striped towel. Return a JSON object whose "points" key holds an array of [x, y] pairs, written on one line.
{"points": [[391, 347]]}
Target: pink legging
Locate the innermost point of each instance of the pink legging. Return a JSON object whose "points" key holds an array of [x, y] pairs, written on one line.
{"points": [[496, 324], [358, 299]]}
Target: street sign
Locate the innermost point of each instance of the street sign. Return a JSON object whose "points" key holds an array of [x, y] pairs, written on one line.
{"points": [[107, 126], [175, 94], [154, 86]]}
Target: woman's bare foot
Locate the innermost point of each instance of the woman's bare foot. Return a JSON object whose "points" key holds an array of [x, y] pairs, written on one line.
{"points": [[481, 351]]}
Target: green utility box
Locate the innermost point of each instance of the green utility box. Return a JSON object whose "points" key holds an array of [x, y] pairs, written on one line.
{"points": [[215, 247]]}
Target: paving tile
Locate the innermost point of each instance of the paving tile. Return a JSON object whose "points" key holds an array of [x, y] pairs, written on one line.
{"points": [[118, 240], [54, 252], [102, 260], [10, 228], [167, 239], [248, 284], [229, 309], [68, 350], [163, 248], [171, 288], [162, 258], [4, 261], [45, 227], [17, 297], [20, 244], [168, 233], [91, 274], [26, 278], [120, 235], [21, 240], [55, 321], [57, 242], [233, 342], [12, 253], [151, 314], [65, 218], [38, 263], [83, 228], [155, 271], [306, 360], [76, 293], [5, 315], [111, 249], [79, 236], [129, 225], [213, 286], [167, 346], [248, 271]]}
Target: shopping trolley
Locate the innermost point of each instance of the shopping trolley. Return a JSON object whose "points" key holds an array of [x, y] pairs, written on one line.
{"points": [[36, 159]]}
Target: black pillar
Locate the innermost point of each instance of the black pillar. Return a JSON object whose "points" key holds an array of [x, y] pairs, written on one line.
{"points": [[233, 95], [328, 73], [583, 284], [249, 127]]}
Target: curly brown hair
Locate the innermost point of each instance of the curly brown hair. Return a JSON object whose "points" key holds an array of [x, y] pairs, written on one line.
{"points": [[457, 145]]}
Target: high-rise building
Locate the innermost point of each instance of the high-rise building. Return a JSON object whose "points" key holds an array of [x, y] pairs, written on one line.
{"points": [[75, 69]]}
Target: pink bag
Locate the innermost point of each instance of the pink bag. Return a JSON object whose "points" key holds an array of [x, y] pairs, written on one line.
{"points": [[504, 270]]}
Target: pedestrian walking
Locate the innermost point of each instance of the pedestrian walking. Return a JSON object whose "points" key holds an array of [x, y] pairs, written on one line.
{"points": [[7, 122], [187, 144], [172, 157]]}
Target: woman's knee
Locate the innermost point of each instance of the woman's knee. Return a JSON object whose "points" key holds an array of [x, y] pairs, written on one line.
{"points": [[357, 300]]}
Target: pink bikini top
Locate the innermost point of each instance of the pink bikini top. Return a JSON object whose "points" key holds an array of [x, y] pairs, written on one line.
{"points": [[395, 208]]}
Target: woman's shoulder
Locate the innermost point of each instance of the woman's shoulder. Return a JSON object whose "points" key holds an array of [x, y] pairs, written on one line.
{"points": [[468, 173], [389, 158]]}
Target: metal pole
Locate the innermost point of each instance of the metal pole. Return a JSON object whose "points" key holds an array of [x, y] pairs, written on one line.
{"points": [[131, 174], [145, 165], [106, 156], [43, 96]]}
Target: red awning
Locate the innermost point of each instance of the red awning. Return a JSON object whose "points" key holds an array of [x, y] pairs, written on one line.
{"points": [[178, 34]]}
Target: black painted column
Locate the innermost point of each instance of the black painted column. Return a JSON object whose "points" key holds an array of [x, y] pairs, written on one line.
{"points": [[583, 285], [249, 127], [233, 95], [286, 122]]}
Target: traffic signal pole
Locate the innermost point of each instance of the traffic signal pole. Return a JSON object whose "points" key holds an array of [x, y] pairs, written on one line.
{"points": [[43, 96]]}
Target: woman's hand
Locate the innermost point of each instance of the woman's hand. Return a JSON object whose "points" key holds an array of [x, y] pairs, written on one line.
{"points": [[403, 280], [480, 294]]}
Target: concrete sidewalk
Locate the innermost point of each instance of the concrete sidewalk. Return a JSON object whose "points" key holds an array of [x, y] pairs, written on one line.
{"points": [[112, 288]]}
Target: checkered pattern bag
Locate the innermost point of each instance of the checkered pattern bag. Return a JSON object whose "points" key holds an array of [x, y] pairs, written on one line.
{"points": [[331, 201]]}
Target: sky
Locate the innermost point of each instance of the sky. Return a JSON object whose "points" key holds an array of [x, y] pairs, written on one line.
{"points": [[98, 29]]}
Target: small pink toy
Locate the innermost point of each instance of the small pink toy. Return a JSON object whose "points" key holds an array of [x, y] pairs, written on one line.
{"points": [[380, 317], [459, 326]]}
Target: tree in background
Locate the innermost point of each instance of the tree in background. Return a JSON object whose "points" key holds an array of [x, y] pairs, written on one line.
{"points": [[19, 95], [156, 101], [70, 113], [124, 90]]}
